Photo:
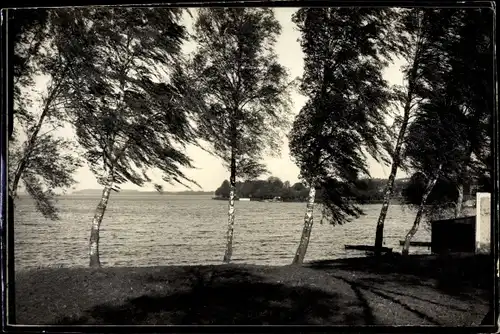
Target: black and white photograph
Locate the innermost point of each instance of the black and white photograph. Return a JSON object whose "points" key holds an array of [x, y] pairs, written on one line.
{"points": [[250, 164]]}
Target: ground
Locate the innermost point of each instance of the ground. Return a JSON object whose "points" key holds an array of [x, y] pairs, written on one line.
{"points": [[420, 290]]}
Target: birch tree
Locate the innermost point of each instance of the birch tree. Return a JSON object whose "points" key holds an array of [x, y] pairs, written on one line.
{"points": [[428, 189], [243, 92], [435, 142], [465, 80], [463, 72], [345, 51], [125, 104], [420, 31], [39, 160]]}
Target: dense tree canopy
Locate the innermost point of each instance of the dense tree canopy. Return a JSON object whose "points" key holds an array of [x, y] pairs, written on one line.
{"points": [[27, 34], [243, 90], [129, 117], [453, 125], [344, 117]]}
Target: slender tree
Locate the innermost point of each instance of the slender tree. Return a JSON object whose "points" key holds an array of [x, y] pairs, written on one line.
{"points": [[463, 71], [128, 115], [306, 231], [428, 189], [435, 142], [420, 32], [463, 75], [39, 160], [243, 92], [345, 51]]}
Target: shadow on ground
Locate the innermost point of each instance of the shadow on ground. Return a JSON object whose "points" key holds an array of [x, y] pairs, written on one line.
{"points": [[428, 279], [451, 273], [389, 291], [358, 288], [226, 297]]}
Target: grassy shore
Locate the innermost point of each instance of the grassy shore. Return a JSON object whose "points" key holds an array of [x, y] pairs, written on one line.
{"points": [[420, 290]]}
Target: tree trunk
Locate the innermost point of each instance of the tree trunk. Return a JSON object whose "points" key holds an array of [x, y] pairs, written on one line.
{"points": [[96, 225], [26, 155], [306, 231], [396, 156], [420, 212], [32, 140], [460, 200], [230, 215]]}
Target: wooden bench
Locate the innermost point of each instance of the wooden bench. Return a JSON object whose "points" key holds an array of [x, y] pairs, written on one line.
{"points": [[367, 248]]}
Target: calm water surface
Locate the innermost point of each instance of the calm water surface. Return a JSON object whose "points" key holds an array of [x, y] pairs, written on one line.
{"points": [[177, 230]]}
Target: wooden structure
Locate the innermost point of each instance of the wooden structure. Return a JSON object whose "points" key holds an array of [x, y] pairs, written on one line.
{"points": [[417, 243], [367, 248], [453, 235]]}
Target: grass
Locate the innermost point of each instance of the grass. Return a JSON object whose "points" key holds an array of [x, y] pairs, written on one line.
{"points": [[420, 290]]}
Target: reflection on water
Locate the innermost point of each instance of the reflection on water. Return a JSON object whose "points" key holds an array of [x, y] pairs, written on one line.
{"points": [[176, 229]]}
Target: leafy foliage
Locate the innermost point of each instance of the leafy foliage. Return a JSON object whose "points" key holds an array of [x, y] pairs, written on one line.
{"points": [[437, 136], [471, 71], [345, 51], [27, 33], [443, 195], [38, 160], [50, 165], [420, 33], [129, 117], [436, 148], [453, 125], [242, 89]]}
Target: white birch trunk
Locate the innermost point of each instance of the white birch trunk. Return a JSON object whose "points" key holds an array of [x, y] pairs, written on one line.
{"points": [[420, 212], [396, 155], [96, 225], [379, 234], [230, 226], [460, 200], [31, 143], [232, 193], [306, 231]]}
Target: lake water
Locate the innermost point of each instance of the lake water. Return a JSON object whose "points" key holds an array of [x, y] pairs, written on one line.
{"points": [[178, 230]]}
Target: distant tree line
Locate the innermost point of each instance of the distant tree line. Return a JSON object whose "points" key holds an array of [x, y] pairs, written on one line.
{"points": [[364, 190]]}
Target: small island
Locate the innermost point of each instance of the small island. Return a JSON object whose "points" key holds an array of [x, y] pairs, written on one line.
{"points": [[368, 190]]}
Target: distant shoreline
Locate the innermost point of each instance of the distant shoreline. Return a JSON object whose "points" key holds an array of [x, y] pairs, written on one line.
{"points": [[194, 193], [139, 192], [131, 193], [392, 201]]}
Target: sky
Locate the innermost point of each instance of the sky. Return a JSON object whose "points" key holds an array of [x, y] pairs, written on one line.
{"points": [[209, 172]]}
